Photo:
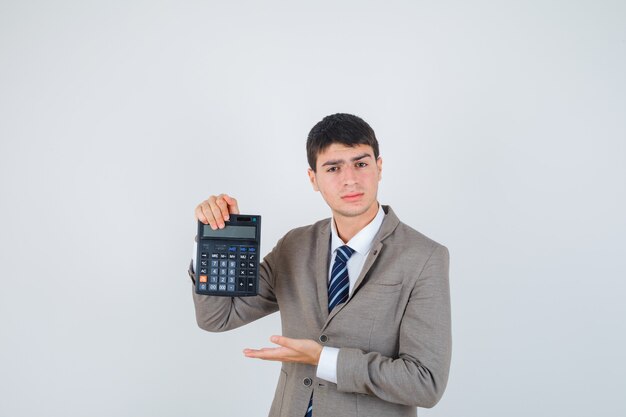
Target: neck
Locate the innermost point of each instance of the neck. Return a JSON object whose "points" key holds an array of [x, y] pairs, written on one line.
{"points": [[348, 227]]}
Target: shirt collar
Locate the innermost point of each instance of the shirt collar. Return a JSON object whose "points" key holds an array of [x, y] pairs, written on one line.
{"points": [[362, 241]]}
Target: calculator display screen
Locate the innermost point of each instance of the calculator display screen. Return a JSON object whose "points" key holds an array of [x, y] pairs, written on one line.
{"points": [[237, 232]]}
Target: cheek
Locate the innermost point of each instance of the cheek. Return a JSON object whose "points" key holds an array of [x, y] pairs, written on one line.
{"points": [[325, 190], [324, 184], [329, 191], [372, 178]]}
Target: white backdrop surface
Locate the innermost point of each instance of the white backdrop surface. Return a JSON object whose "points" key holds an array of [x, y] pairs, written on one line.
{"points": [[503, 133]]}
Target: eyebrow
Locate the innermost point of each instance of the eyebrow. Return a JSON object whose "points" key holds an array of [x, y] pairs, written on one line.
{"points": [[341, 161]]}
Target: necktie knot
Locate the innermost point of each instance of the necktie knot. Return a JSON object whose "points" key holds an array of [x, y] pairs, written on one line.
{"points": [[344, 253]]}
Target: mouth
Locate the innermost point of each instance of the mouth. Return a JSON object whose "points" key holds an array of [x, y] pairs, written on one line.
{"points": [[352, 197]]}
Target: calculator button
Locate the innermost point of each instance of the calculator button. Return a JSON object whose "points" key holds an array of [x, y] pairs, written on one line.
{"points": [[212, 287], [203, 270], [220, 248], [223, 271], [251, 272], [250, 284], [231, 280], [251, 265], [202, 287], [215, 256], [232, 256], [214, 264], [231, 287], [241, 284], [232, 264], [204, 255], [223, 264], [232, 249], [222, 287], [251, 256], [222, 256], [243, 264], [243, 256], [203, 263], [231, 271], [243, 249], [242, 273], [213, 279], [251, 249], [213, 271], [202, 278]]}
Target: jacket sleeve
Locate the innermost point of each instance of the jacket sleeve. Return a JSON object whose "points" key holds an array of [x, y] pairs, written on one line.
{"points": [[218, 314], [419, 375]]}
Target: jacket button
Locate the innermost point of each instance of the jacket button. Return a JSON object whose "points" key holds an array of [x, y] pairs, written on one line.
{"points": [[307, 382], [323, 338]]}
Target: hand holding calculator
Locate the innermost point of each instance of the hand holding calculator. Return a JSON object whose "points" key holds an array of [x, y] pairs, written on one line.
{"points": [[227, 257]]}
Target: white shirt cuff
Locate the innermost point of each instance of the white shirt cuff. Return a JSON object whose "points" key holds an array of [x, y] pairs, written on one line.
{"points": [[327, 366]]}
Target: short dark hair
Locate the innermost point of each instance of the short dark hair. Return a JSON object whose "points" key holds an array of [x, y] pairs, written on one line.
{"points": [[343, 128]]}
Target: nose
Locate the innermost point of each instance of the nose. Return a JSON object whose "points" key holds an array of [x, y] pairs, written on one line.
{"points": [[349, 176]]}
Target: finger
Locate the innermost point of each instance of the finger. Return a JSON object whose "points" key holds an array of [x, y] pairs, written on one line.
{"points": [[232, 204], [270, 354], [223, 205], [199, 215], [265, 349], [208, 213], [217, 213]]}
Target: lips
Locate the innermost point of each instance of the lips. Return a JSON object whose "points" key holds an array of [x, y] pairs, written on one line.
{"points": [[352, 197]]}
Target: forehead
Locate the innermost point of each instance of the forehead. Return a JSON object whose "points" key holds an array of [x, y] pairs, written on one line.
{"points": [[339, 151]]}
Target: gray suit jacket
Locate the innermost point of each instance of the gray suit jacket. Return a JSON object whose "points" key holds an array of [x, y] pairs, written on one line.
{"points": [[393, 332]]}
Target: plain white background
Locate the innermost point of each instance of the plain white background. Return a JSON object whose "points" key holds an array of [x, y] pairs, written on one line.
{"points": [[503, 133]]}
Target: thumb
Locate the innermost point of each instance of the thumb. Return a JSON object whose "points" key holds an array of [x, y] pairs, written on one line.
{"points": [[283, 341]]}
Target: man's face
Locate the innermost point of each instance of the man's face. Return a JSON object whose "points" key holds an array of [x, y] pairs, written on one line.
{"points": [[348, 179]]}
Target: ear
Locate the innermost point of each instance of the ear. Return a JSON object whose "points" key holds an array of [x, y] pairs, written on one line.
{"points": [[313, 179], [379, 164]]}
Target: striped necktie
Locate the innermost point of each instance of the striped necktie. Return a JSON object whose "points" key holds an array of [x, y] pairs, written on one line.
{"points": [[338, 290], [339, 284]]}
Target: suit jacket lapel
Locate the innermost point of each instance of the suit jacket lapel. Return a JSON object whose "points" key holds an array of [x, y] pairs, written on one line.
{"points": [[322, 260], [389, 224], [371, 258], [369, 261]]}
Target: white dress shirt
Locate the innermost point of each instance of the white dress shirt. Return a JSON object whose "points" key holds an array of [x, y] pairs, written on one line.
{"points": [[361, 243]]}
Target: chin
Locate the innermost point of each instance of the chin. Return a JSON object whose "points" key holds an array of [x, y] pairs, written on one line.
{"points": [[353, 211]]}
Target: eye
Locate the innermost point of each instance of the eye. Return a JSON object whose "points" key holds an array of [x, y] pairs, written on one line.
{"points": [[332, 169], [361, 164]]}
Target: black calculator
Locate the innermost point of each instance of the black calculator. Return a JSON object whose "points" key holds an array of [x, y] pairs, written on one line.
{"points": [[227, 262]]}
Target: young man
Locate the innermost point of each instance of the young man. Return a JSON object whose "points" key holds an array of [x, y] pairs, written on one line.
{"points": [[364, 298]]}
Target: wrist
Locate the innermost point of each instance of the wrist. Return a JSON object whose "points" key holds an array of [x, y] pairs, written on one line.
{"points": [[318, 354]]}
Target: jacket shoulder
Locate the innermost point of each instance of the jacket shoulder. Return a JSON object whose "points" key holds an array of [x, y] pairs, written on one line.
{"points": [[307, 232], [409, 237]]}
